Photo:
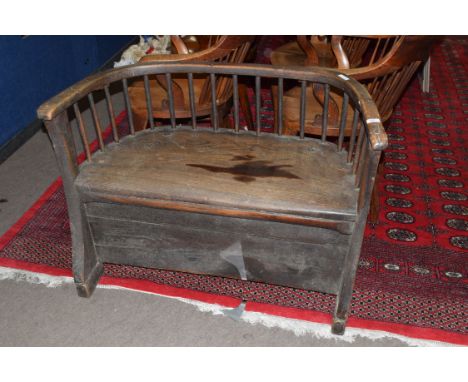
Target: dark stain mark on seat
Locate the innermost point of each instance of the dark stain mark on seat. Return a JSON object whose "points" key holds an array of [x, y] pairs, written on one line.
{"points": [[3, 200], [243, 157], [248, 171]]}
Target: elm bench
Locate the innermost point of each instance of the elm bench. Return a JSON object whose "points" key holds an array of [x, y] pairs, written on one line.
{"points": [[286, 210]]}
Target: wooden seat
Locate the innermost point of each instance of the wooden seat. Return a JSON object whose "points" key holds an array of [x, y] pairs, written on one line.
{"points": [[268, 174], [256, 206]]}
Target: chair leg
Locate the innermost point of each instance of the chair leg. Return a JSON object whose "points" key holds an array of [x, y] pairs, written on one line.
{"points": [[343, 299], [226, 122], [140, 119], [85, 264], [375, 203], [223, 116], [87, 268], [341, 313]]}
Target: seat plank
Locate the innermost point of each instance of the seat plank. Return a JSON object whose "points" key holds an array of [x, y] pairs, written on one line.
{"points": [[242, 171]]}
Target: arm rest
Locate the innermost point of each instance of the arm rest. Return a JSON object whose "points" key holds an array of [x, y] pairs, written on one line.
{"points": [[370, 114]]}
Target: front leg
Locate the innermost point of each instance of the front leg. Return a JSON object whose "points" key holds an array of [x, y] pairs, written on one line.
{"points": [[87, 268]]}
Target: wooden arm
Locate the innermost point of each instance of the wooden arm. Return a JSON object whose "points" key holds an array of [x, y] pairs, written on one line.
{"points": [[179, 45], [340, 54], [405, 49], [371, 117]]}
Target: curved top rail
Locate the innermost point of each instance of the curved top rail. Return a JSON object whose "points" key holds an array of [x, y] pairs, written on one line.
{"points": [[357, 92]]}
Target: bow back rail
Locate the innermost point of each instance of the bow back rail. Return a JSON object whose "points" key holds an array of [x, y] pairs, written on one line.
{"points": [[356, 92]]}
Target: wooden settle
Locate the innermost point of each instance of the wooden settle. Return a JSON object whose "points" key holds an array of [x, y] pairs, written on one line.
{"points": [[257, 206]]}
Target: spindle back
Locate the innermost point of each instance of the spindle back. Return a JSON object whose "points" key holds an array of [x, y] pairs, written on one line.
{"points": [[384, 63], [387, 66], [364, 143]]}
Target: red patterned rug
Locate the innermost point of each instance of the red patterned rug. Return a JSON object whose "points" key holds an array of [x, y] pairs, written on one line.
{"points": [[412, 276]]}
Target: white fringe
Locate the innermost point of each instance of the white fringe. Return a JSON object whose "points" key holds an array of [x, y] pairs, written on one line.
{"points": [[298, 327]]}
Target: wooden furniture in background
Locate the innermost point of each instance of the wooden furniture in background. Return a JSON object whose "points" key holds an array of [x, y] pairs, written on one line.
{"points": [[384, 64], [227, 49], [257, 206]]}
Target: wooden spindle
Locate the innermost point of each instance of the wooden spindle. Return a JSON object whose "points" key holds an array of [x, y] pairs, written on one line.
{"points": [[390, 91], [368, 182], [398, 85], [279, 117], [171, 99], [303, 108], [353, 134], [371, 86], [192, 101], [257, 103], [97, 124], [375, 51], [357, 154], [325, 112], [149, 102], [384, 50], [344, 117], [362, 163], [235, 82], [214, 108], [129, 107], [84, 136], [379, 91], [110, 110]]}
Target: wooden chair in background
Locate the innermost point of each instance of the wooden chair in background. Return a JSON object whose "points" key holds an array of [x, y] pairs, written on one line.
{"points": [[222, 49], [384, 64]]}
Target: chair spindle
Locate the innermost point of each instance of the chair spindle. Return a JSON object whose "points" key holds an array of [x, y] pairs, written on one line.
{"points": [[110, 110], [352, 139], [357, 153], [149, 103], [235, 82], [171, 99], [214, 108], [325, 112], [128, 106], [192, 101], [97, 124], [257, 103], [303, 108], [344, 115], [84, 136]]}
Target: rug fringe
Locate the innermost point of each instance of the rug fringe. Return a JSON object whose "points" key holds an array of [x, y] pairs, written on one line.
{"points": [[34, 278], [298, 327]]}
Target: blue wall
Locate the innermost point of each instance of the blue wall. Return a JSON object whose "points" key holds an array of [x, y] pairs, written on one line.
{"points": [[37, 67]]}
